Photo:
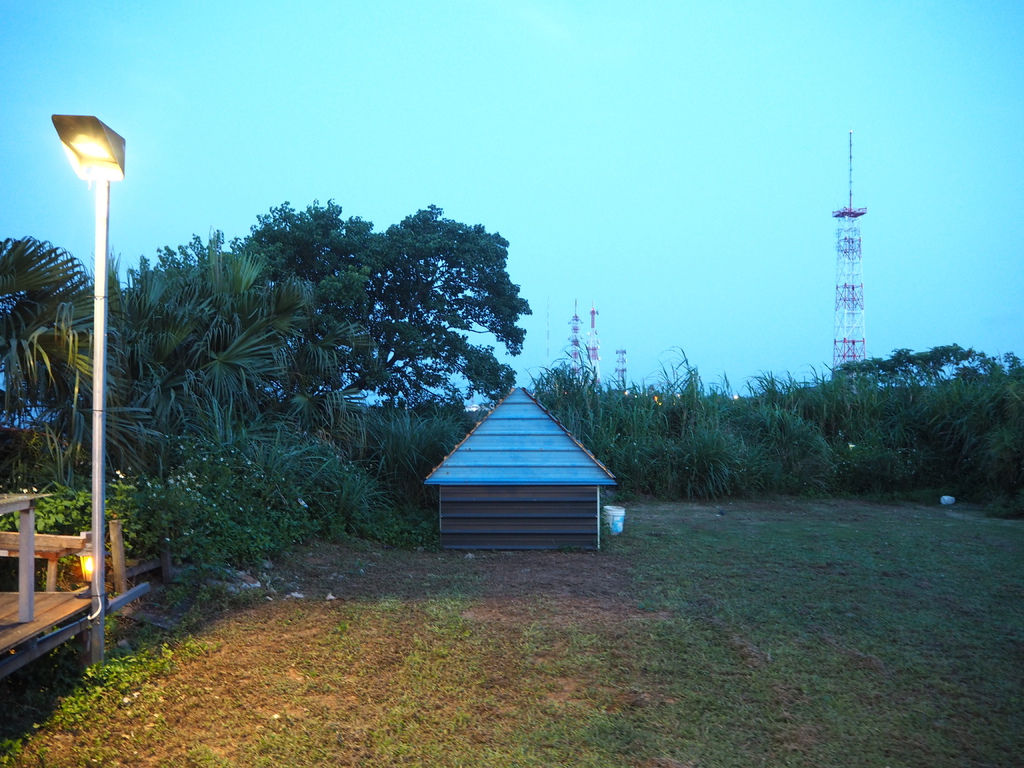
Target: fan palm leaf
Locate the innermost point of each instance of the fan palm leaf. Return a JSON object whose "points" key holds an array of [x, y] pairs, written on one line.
{"points": [[44, 324]]}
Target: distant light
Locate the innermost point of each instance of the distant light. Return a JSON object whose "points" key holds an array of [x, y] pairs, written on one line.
{"points": [[852, 445], [735, 397]]}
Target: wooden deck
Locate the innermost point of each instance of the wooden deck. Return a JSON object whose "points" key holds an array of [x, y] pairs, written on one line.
{"points": [[51, 609], [33, 623]]}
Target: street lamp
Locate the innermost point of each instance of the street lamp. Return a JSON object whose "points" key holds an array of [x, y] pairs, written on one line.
{"points": [[97, 155]]}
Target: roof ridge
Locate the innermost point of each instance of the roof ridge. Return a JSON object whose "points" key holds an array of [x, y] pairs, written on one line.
{"points": [[452, 471]]}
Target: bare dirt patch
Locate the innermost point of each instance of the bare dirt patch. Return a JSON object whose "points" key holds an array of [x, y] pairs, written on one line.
{"points": [[554, 587]]}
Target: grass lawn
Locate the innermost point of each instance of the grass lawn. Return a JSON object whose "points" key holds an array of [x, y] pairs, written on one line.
{"points": [[774, 633]]}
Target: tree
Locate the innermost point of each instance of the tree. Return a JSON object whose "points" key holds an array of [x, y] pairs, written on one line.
{"points": [[44, 326], [45, 365], [206, 343], [943, 363], [421, 289]]}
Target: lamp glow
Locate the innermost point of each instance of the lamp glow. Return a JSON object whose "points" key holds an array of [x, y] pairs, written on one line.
{"points": [[92, 149], [86, 563], [95, 150]]}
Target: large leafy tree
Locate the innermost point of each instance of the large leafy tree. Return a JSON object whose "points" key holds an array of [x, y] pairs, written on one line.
{"points": [[429, 291]]}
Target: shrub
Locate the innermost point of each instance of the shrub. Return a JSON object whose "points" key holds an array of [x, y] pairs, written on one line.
{"points": [[1008, 506], [248, 499], [869, 468]]}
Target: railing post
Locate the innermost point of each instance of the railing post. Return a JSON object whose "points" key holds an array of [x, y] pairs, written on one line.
{"points": [[117, 563]]}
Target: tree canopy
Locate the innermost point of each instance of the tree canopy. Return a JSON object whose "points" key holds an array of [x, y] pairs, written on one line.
{"points": [[203, 336], [949, 361], [421, 289]]}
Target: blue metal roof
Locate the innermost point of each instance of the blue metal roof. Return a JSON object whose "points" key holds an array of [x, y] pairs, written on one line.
{"points": [[520, 443]]}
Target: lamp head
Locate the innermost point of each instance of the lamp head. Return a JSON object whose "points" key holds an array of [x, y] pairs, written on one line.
{"points": [[95, 150]]}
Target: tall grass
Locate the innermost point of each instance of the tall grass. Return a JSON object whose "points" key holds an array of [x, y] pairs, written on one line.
{"points": [[398, 448], [677, 438], [667, 440]]}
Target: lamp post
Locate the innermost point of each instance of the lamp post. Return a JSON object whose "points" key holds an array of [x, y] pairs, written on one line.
{"points": [[97, 155]]}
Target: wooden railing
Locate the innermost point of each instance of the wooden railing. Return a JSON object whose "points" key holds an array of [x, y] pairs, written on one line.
{"points": [[51, 547]]}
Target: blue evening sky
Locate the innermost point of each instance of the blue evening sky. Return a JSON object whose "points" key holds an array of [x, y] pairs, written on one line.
{"points": [[675, 163]]}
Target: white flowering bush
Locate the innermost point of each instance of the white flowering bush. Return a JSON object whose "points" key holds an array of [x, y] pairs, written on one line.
{"points": [[242, 501]]}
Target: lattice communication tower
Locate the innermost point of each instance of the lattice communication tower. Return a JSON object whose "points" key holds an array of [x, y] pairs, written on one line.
{"points": [[849, 342], [575, 354], [594, 347], [620, 367]]}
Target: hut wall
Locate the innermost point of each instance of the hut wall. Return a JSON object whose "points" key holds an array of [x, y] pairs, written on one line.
{"points": [[519, 517]]}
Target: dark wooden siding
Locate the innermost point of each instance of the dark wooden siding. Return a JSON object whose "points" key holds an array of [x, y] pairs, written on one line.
{"points": [[518, 517]]}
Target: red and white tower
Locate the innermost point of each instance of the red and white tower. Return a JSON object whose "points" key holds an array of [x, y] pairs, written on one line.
{"points": [[575, 353], [850, 343], [594, 346]]}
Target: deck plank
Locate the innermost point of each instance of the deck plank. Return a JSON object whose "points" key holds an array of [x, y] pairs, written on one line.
{"points": [[51, 608]]}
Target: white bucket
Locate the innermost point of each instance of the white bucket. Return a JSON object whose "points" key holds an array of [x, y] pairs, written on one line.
{"points": [[615, 518]]}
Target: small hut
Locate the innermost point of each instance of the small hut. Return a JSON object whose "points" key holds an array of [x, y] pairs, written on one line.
{"points": [[519, 480]]}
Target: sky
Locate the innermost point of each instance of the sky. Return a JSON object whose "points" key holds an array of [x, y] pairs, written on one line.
{"points": [[673, 163]]}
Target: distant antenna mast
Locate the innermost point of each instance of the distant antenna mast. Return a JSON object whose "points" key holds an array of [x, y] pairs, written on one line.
{"points": [[849, 342], [620, 367], [575, 354], [594, 346]]}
